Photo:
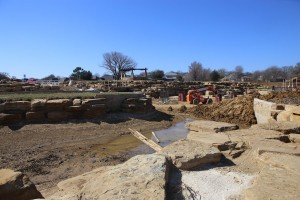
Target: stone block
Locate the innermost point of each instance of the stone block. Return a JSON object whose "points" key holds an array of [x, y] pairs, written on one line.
{"points": [[294, 138], [285, 127], [16, 185], [76, 102], [17, 106], [94, 101], [35, 116], [210, 126], [188, 154], [58, 104], [38, 104], [262, 110], [58, 116], [293, 108], [6, 119], [295, 118], [141, 177], [284, 116]]}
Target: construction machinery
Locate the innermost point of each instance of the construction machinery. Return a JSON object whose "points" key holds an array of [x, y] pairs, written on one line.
{"points": [[202, 95]]}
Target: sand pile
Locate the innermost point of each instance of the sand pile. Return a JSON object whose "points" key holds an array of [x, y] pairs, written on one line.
{"points": [[238, 110]]}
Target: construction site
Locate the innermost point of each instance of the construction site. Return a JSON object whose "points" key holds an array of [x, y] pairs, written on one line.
{"points": [[143, 139]]}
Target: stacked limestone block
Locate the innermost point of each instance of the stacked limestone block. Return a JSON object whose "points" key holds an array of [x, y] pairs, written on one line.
{"points": [[42, 110], [269, 112]]}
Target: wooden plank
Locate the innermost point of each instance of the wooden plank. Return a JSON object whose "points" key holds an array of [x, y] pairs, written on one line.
{"points": [[157, 140], [145, 140]]}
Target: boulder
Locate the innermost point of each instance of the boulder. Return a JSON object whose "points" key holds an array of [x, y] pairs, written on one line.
{"points": [[58, 104], [141, 177], [35, 116], [17, 106], [210, 126], [188, 154], [285, 127], [295, 118], [294, 138], [6, 119], [38, 104], [284, 116], [293, 108], [17, 186], [220, 140], [274, 145]]}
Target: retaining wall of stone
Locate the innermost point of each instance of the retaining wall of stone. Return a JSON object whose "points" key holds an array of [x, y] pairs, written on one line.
{"points": [[42, 110], [267, 112]]}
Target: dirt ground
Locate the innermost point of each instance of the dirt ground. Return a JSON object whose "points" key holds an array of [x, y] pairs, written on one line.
{"points": [[49, 153]]}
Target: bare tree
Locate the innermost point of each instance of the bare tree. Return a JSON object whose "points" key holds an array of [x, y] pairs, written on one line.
{"points": [[239, 72], [296, 70], [115, 62], [222, 72], [195, 71], [205, 74], [256, 75], [273, 73], [288, 71], [4, 75]]}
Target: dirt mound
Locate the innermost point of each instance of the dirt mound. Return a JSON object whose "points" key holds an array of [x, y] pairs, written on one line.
{"points": [[283, 97], [238, 110]]}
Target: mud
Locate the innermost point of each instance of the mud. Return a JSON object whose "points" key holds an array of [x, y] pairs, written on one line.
{"points": [[49, 153]]}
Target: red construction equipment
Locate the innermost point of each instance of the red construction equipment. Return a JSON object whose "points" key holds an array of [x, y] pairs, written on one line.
{"points": [[197, 96]]}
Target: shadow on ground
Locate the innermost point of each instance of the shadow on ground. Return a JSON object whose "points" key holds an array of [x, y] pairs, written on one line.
{"points": [[111, 118], [177, 190]]}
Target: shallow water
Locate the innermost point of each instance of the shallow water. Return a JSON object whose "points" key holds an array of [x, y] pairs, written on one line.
{"points": [[165, 136], [132, 146]]}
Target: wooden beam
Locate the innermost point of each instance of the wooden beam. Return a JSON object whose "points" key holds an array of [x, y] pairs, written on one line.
{"points": [[145, 140]]}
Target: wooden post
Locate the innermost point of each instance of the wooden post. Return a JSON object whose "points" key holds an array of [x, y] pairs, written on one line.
{"points": [[145, 140]]}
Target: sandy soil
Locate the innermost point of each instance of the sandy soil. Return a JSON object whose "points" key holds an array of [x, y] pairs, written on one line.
{"points": [[49, 153]]}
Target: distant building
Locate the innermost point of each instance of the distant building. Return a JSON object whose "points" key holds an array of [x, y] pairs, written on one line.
{"points": [[107, 77], [230, 77], [246, 79], [171, 76]]}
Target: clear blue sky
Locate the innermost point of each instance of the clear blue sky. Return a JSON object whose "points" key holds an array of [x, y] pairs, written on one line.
{"points": [[43, 37]]}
